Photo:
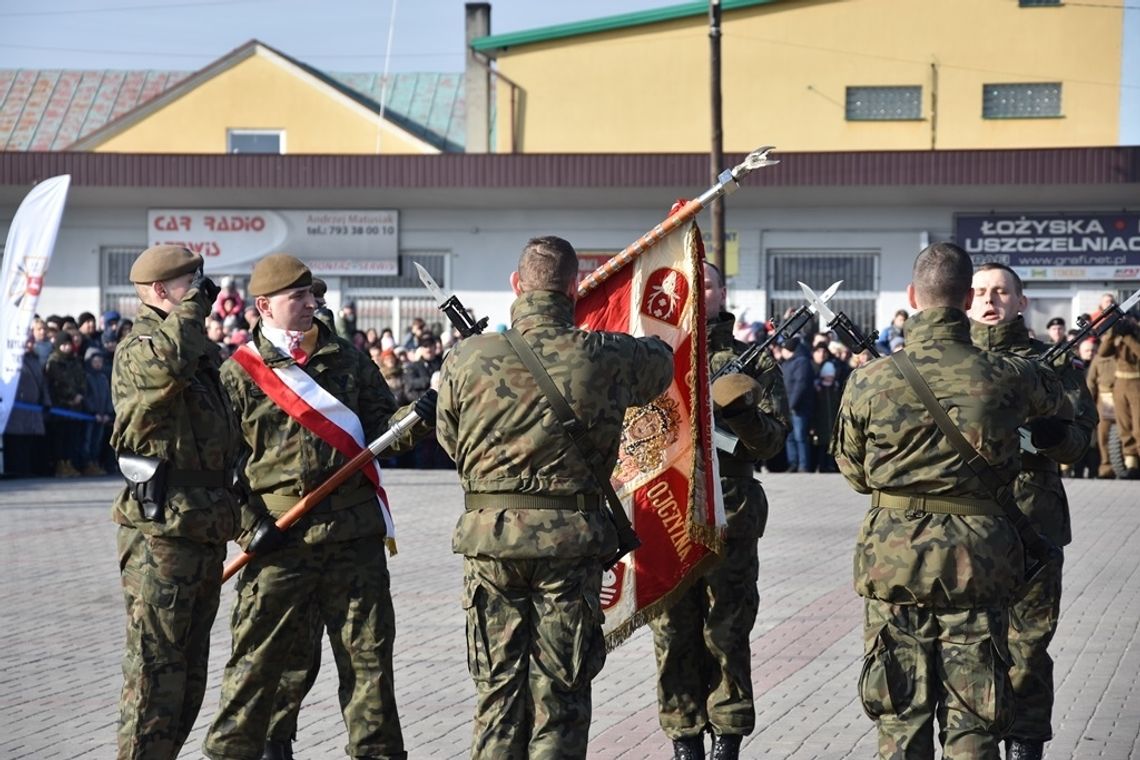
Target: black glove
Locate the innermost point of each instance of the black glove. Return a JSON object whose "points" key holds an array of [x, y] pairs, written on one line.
{"points": [[267, 537], [425, 406], [1047, 432], [206, 287]]}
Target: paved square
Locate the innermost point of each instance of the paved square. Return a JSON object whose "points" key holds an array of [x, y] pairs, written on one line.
{"points": [[61, 630]]}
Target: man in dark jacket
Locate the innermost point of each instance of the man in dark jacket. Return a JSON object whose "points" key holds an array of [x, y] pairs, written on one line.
{"points": [[799, 380]]}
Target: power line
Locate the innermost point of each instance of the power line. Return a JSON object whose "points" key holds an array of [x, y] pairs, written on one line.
{"points": [[120, 8], [207, 56]]}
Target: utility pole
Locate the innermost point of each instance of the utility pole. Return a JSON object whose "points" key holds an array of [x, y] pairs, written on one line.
{"points": [[716, 155]]}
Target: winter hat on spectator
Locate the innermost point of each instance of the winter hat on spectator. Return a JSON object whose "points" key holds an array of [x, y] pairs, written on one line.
{"points": [[62, 339], [277, 272], [92, 352], [110, 316], [827, 370], [164, 262], [792, 344], [387, 343], [320, 287], [227, 281]]}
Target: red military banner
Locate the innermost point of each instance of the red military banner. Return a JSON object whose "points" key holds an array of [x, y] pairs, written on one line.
{"points": [[666, 475]]}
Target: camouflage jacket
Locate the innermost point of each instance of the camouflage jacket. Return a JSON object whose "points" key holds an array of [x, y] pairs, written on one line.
{"points": [[1039, 491], [495, 423], [762, 432], [66, 379], [886, 440], [169, 404], [283, 458]]}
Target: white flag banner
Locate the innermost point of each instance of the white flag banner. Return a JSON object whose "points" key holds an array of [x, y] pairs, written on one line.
{"points": [[27, 253]]}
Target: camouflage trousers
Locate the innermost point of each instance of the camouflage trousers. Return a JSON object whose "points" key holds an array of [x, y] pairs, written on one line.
{"points": [[347, 583], [1032, 623], [704, 660], [171, 588], [303, 663], [534, 644], [921, 664]]}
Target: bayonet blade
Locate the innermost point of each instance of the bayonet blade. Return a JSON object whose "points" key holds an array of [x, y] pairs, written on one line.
{"points": [[818, 303], [1131, 301], [430, 284]]}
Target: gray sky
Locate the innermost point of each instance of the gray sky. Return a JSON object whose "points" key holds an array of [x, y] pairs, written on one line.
{"points": [[333, 35]]}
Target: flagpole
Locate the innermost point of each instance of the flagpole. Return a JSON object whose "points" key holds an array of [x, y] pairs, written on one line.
{"points": [[726, 184], [311, 499]]}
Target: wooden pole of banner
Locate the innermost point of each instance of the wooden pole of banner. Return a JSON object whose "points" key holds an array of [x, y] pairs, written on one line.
{"points": [[311, 499], [726, 183]]}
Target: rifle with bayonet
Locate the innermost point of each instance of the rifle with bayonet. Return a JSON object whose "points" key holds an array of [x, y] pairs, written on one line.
{"points": [[785, 329], [1090, 328], [848, 332]]}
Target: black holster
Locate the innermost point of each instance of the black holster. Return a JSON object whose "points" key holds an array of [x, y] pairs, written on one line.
{"points": [[146, 481]]}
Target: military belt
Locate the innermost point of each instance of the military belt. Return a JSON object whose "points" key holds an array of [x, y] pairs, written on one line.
{"points": [[941, 505], [200, 479], [1031, 462], [278, 504], [581, 502], [731, 467], [1125, 374]]}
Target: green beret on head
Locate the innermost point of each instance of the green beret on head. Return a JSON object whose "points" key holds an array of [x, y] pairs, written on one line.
{"points": [[276, 272], [164, 262]]}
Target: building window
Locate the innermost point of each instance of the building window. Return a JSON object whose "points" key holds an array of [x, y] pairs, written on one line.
{"points": [[255, 141], [117, 291], [1021, 101], [884, 103], [1037, 3], [393, 301], [859, 271]]}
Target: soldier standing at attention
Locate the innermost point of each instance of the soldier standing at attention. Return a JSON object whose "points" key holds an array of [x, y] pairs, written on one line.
{"points": [[997, 326], [704, 663], [177, 441], [937, 561], [1123, 342], [535, 532], [332, 559]]}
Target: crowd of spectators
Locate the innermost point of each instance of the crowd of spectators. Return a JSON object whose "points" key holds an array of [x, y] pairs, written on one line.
{"points": [[61, 422]]}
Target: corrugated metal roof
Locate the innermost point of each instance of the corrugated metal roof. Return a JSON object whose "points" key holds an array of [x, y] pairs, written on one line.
{"points": [[1050, 166], [51, 109], [496, 42], [44, 110]]}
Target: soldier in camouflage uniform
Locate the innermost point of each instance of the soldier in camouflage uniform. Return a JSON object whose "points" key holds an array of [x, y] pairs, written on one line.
{"points": [[332, 560], [535, 531], [704, 662], [997, 326], [1123, 342], [170, 407], [937, 561]]}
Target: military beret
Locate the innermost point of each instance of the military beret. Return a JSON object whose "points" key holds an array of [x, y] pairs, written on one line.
{"points": [[1056, 321], [164, 262], [276, 272], [320, 287]]}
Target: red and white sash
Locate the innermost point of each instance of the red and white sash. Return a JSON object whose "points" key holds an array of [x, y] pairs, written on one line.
{"points": [[303, 399]]}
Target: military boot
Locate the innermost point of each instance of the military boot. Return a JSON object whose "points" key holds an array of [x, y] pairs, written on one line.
{"points": [[64, 469], [726, 746], [689, 748], [277, 751], [1016, 749]]}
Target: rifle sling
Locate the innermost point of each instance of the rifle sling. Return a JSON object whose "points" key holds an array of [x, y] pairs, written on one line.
{"points": [[1002, 494], [571, 425]]}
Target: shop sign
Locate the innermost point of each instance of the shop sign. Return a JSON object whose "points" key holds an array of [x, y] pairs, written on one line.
{"points": [[1055, 246], [330, 241]]}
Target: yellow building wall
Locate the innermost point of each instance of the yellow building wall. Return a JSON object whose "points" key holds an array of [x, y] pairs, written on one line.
{"points": [[786, 67], [260, 93]]}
